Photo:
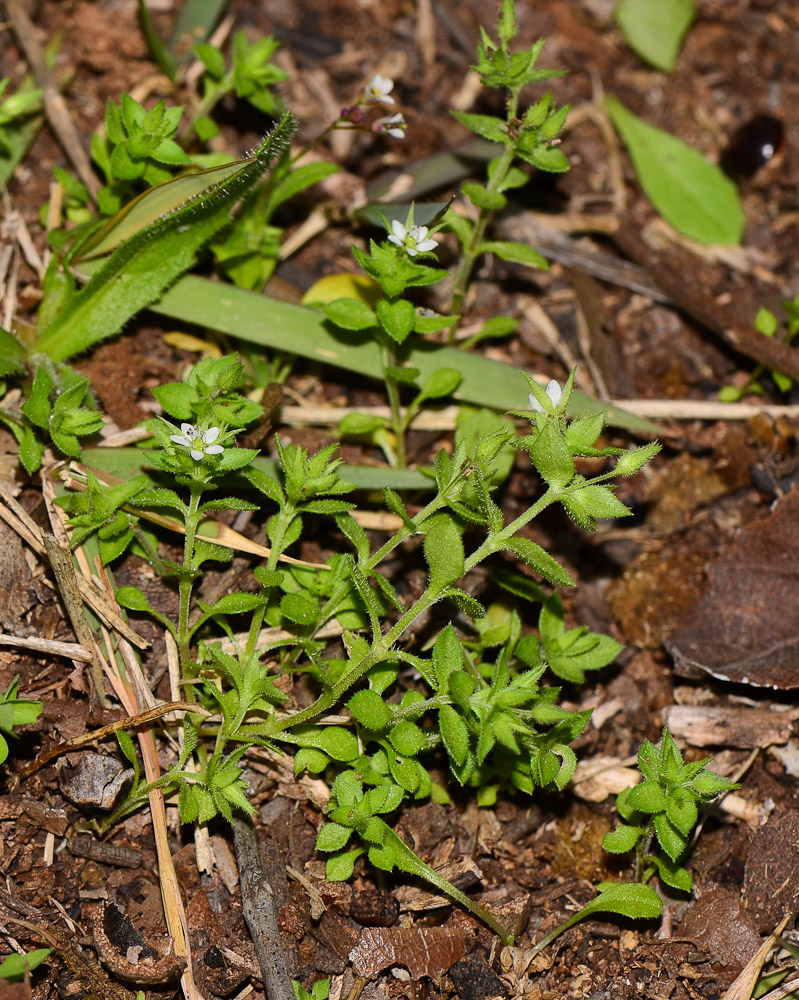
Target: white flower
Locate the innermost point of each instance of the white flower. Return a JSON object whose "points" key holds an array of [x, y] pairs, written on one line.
{"points": [[395, 125], [198, 442], [412, 239], [378, 89], [554, 392]]}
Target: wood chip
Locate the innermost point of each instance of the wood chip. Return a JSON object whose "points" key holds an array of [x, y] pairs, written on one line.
{"points": [[746, 728]]}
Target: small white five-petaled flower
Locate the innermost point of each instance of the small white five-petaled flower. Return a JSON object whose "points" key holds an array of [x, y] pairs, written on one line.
{"points": [[198, 442], [554, 392], [378, 89], [412, 239], [394, 125]]}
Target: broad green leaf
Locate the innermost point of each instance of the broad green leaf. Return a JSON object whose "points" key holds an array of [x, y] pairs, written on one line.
{"points": [[520, 253], [350, 314], [691, 194], [551, 457], [541, 561], [15, 967], [341, 866], [443, 550], [298, 608], [151, 258], [12, 354], [681, 810], [654, 29], [235, 604], [454, 733], [407, 738], [133, 599], [332, 837], [337, 742], [628, 899], [487, 126], [482, 198], [396, 318], [673, 874], [622, 839], [648, 797], [670, 838], [370, 710], [708, 784], [441, 383]]}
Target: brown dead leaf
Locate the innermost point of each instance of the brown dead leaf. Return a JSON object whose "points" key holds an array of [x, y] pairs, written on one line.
{"points": [[424, 951], [744, 628]]}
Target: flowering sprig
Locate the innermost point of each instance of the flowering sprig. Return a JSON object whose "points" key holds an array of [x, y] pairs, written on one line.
{"points": [[378, 90], [393, 125], [200, 443], [554, 392], [413, 239]]}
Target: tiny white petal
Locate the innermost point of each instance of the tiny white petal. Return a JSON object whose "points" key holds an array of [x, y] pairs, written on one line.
{"points": [[211, 435], [378, 89], [419, 233], [189, 430], [214, 449], [534, 404], [426, 245], [196, 455], [179, 439], [410, 251], [396, 133], [395, 239], [399, 230], [554, 391]]}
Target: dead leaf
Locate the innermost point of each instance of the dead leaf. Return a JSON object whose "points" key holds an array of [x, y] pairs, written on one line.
{"points": [[424, 951], [744, 628]]}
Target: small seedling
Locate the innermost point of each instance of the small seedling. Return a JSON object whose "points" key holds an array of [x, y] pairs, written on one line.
{"points": [[663, 810], [14, 968], [15, 711]]}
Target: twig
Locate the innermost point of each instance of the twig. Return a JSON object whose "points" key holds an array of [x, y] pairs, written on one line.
{"points": [[258, 903], [692, 300], [71, 649], [85, 739], [66, 578], [54, 104]]}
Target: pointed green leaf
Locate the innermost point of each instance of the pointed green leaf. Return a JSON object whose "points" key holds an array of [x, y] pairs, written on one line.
{"points": [[654, 31], [691, 194]]}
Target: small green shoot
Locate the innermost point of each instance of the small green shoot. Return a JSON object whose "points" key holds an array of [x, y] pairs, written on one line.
{"points": [[14, 110], [14, 968], [767, 324], [15, 711], [663, 810], [529, 135], [319, 991]]}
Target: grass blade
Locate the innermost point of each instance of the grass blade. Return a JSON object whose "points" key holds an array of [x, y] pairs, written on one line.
{"points": [[282, 326]]}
